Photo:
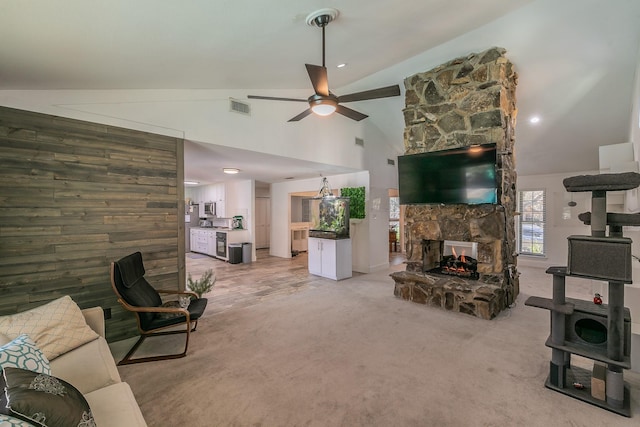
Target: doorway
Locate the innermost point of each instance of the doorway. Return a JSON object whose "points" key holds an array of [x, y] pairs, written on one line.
{"points": [[395, 222], [263, 222]]}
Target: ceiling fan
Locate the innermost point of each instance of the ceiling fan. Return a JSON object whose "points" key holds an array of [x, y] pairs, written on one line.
{"points": [[323, 102]]}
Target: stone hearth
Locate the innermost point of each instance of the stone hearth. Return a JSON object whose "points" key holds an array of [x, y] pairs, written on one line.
{"points": [[473, 297], [467, 101]]}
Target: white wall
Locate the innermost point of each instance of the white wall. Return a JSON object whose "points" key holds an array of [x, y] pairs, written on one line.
{"points": [[634, 132], [204, 116], [361, 232], [241, 201], [559, 228]]}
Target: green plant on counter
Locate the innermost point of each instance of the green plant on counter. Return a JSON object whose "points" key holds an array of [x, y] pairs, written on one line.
{"points": [[356, 201], [202, 285]]}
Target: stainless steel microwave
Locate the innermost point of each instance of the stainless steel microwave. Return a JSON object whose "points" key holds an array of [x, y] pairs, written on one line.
{"points": [[210, 208]]}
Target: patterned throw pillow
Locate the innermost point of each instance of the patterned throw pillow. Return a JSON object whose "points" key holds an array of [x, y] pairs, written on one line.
{"points": [[44, 400], [7, 421], [57, 327], [23, 353], [4, 339]]}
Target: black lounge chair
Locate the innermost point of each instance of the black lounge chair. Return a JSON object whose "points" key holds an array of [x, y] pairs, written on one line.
{"points": [[138, 296]]}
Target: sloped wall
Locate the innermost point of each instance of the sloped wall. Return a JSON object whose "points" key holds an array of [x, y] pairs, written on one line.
{"points": [[76, 196]]}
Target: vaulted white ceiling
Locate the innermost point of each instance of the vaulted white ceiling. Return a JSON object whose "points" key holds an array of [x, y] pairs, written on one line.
{"points": [[576, 59]]}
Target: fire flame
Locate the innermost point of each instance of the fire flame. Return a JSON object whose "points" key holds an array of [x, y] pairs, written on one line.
{"points": [[462, 259]]}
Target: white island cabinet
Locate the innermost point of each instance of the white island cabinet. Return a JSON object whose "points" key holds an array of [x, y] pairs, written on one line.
{"points": [[330, 258]]}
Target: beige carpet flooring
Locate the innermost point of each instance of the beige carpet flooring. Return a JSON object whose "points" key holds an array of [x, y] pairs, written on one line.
{"points": [[349, 353]]}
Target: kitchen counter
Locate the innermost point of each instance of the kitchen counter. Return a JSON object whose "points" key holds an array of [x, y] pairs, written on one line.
{"points": [[205, 240], [218, 229]]}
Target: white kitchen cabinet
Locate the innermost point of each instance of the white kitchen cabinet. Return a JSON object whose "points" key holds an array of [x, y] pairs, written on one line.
{"points": [[330, 258], [199, 242], [221, 211]]}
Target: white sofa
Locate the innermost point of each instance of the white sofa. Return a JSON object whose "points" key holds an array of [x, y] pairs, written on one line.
{"points": [[91, 369]]}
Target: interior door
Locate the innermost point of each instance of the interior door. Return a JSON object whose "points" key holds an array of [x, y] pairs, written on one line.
{"points": [[263, 222]]}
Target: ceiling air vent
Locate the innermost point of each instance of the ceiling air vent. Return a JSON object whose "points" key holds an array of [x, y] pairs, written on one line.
{"points": [[391, 162], [360, 142], [239, 107]]}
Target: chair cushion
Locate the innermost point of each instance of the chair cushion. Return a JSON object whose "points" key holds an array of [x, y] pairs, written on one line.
{"points": [[169, 304], [131, 269], [134, 288], [196, 308]]}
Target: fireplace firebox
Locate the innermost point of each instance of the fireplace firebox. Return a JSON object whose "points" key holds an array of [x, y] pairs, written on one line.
{"points": [[450, 257]]}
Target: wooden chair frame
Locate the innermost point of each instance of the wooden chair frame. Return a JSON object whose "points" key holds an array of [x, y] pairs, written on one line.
{"points": [[144, 334]]}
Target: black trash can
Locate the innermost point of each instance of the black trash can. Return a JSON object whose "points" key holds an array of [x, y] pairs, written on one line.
{"points": [[235, 253], [246, 252]]}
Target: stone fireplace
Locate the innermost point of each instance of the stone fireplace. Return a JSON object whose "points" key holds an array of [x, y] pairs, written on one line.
{"points": [[467, 101]]}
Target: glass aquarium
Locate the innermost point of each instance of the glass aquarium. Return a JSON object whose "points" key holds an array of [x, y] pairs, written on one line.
{"points": [[329, 217]]}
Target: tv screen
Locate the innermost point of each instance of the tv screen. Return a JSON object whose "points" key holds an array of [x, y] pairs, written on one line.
{"points": [[458, 176]]}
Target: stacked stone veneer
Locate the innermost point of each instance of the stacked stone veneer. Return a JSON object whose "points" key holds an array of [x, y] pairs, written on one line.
{"points": [[467, 101]]}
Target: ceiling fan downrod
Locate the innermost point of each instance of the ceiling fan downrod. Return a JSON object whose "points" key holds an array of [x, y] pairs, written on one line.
{"points": [[322, 21], [321, 18]]}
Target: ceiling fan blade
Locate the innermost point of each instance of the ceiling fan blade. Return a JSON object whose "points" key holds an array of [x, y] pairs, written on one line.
{"points": [[300, 116], [318, 77], [273, 98], [383, 92], [352, 114]]}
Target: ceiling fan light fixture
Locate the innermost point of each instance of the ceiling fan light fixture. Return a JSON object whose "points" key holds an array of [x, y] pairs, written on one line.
{"points": [[323, 109], [323, 106]]}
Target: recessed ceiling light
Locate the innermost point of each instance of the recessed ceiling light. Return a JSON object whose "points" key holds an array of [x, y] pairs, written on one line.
{"points": [[191, 183], [344, 64], [231, 171], [534, 119]]}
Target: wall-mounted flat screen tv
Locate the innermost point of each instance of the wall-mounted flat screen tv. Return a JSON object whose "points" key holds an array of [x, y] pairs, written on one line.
{"points": [[458, 176]]}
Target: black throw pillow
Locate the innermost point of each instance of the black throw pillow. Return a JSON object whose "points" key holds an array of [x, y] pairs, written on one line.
{"points": [[44, 400]]}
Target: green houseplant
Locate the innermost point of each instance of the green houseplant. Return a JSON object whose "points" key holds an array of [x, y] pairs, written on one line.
{"points": [[202, 285], [356, 201]]}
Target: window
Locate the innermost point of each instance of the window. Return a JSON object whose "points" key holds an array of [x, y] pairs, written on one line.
{"points": [[394, 208], [532, 222]]}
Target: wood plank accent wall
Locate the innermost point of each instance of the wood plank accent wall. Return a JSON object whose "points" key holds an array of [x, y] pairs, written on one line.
{"points": [[75, 196]]}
